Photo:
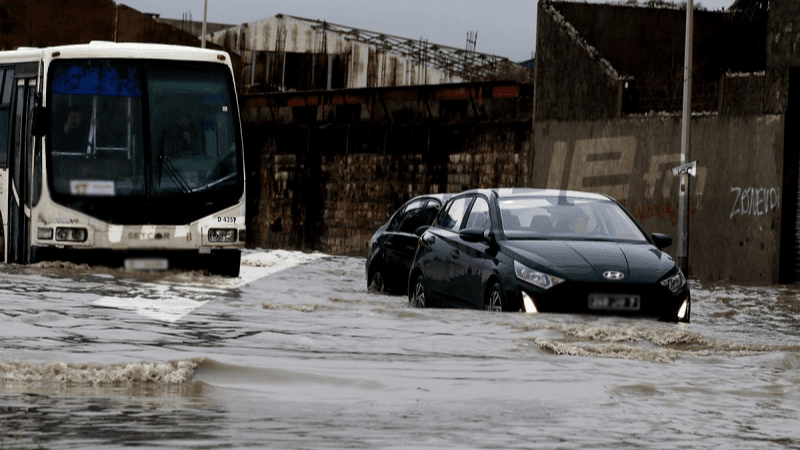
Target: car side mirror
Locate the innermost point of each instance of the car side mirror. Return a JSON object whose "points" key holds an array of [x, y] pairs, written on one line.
{"points": [[471, 234], [662, 240], [421, 230], [478, 235]]}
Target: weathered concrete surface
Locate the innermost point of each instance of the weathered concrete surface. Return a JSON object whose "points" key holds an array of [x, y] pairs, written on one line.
{"points": [[286, 53], [326, 169], [783, 51], [46, 23], [597, 61], [736, 199], [742, 94], [580, 84]]}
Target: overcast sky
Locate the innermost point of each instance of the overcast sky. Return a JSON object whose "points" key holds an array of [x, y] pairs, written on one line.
{"points": [[505, 27]]}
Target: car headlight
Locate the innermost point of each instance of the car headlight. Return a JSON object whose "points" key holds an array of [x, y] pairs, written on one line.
{"points": [[675, 282], [536, 278]]}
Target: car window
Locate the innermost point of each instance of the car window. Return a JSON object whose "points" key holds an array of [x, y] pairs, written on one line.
{"points": [[398, 218], [479, 215], [527, 217], [455, 214], [416, 218]]}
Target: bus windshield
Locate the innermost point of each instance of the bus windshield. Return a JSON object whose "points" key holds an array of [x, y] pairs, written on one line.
{"points": [[155, 129]]}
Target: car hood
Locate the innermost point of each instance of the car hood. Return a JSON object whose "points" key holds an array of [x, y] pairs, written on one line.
{"points": [[639, 262]]}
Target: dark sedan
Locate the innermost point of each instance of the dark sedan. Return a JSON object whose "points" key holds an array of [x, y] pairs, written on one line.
{"points": [[545, 250], [392, 247]]}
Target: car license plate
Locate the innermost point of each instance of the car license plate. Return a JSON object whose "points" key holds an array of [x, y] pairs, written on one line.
{"points": [[146, 264], [613, 302]]}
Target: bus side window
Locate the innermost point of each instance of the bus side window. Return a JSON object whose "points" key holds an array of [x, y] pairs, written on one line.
{"points": [[6, 87]]}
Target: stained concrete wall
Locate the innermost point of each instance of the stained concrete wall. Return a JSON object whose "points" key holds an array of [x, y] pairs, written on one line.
{"points": [[597, 61], [366, 66], [326, 169], [47, 23], [742, 94], [736, 198], [578, 83], [783, 51]]}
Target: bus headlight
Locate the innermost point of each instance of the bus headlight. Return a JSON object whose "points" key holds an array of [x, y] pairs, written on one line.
{"points": [[71, 234], [221, 235], [44, 234]]}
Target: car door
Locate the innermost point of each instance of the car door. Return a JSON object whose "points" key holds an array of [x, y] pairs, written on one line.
{"points": [[401, 240], [468, 258], [399, 244], [440, 240]]}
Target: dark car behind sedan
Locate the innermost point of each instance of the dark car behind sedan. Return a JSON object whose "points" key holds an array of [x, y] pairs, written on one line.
{"points": [[392, 247], [545, 250]]}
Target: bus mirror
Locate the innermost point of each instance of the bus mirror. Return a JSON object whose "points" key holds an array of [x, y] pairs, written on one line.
{"points": [[41, 121]]}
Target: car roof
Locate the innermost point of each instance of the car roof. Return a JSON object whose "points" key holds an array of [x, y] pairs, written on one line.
{"points": [[509, 193], [441, 197]]}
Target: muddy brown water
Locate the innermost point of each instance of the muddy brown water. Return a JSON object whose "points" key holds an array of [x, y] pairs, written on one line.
{"points": [[296, 353]]}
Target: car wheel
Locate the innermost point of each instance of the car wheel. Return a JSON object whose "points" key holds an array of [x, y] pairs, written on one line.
{"points": [[377, 284], [417, 297], [495, 299]]}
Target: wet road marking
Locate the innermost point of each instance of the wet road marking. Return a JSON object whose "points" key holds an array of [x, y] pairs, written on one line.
{"points": [[170, 308], [166, 309]]}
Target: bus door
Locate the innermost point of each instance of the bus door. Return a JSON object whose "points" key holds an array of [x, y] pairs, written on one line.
{"points": [[20, 165]]}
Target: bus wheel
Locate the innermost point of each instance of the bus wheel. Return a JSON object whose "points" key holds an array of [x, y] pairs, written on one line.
{"points": [[226, 263]]}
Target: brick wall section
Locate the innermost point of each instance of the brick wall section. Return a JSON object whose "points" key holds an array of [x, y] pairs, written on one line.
{"points": [[324, 178]]}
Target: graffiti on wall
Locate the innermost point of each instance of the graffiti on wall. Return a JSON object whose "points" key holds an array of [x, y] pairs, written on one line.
{"points": [[754, 201], [606, 165]]}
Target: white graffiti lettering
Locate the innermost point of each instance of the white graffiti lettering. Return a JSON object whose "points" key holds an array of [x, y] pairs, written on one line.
{"points": [[755, 201], [607, 165]]}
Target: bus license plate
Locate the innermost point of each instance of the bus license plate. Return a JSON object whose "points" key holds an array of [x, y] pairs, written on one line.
{"points": [[613, 302], [146, 264]]}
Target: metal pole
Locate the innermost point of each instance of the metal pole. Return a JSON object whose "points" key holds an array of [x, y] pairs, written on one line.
{"points": [[205, 16], [683, 196]]}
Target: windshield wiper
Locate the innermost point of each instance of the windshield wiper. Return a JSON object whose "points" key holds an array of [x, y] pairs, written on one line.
{"points": [[165, 165]]}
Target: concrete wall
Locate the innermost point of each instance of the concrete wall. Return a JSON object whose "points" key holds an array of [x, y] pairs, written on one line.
{"points": [[578, 83], [326, 169], [783, 52], [46, 23], [648, 44], [271, 38], [736, 198], [597, 61], [742, 94]]}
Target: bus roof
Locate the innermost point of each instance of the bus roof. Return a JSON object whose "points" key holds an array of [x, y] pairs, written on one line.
{"points": [[105, 49]]}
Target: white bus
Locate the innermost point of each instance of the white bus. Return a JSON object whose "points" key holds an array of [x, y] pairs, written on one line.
{"points": [[121, 154]]}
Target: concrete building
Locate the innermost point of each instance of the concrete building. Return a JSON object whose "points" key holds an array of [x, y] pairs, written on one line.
{"points": [[285, 53], [606, 119], [45, 23]]}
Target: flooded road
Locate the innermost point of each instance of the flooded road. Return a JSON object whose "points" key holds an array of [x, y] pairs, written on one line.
{"points": [[297, 354]]}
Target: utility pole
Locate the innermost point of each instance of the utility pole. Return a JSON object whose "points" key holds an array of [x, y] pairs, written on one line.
{"points": [[685, 169], [205, 16]]}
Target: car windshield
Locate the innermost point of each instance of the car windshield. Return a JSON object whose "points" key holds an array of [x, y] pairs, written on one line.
{"points": [[541, 217]]}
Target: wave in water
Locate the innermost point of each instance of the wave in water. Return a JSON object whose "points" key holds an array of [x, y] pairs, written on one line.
{"points": [[173, 372], [639, 343]]}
